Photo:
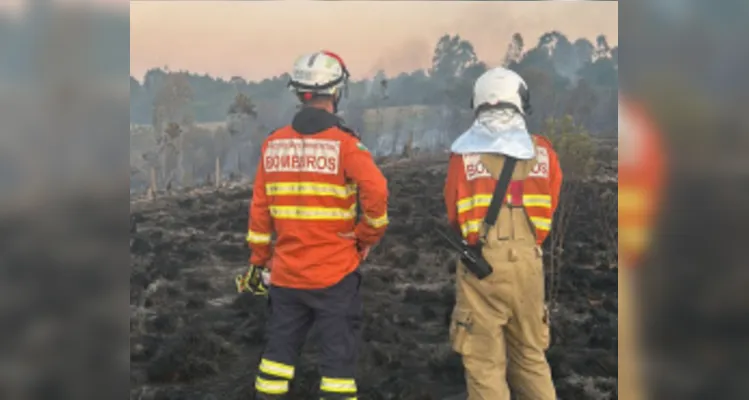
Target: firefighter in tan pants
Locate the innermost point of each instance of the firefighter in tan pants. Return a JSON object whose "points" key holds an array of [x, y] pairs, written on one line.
{"points": [[499, 324]]}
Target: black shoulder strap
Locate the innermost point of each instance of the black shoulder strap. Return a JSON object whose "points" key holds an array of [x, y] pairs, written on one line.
{"points": [[348, 130], [500, 191]]}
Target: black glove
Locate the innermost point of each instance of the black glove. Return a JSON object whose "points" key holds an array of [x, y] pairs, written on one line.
{"points": [[253, 281]]}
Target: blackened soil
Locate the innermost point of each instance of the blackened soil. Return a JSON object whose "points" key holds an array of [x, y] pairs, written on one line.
{"points": [[193, 338]]}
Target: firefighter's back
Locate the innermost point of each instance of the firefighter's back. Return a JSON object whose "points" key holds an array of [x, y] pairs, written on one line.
{"points": [[310, 203]]}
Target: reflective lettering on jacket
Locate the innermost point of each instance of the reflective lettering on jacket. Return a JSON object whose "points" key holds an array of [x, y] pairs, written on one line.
{"points": [[542, 188], [305, 192], [296, 155]]}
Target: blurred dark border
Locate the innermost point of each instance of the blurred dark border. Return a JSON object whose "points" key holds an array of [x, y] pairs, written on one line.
{"points": [[63, 194], [686, 61]]}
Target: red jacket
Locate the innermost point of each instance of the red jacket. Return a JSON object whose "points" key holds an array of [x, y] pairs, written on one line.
{"points": [[469, 188], [542, 187], [642, 168], [305, 192]]}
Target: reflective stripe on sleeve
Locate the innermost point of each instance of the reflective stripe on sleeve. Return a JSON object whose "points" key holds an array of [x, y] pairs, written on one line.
{"points": [[542, 224], [258, 238], [471, 226], [378, 222]]}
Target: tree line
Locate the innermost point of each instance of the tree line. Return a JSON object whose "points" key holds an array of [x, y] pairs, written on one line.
{"points": [[572, 83], [577, 78]]}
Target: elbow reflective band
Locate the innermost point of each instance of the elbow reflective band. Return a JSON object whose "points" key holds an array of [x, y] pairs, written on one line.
{"points": [[537, 200], [470, 226], [258, 238], [312, 213], [310, 189], [378, 222]]}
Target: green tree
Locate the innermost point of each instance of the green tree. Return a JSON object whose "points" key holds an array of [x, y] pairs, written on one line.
{"points": [[172, 113], [242, 105], [514, 51], [452, 57], [574, 146], [245, 136]]}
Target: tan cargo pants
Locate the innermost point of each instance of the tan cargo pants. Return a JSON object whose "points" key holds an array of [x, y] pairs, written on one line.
{"points": [[500, 325]]}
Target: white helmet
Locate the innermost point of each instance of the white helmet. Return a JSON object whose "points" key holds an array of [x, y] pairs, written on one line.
{"points": [[501, 87], [322, 73]]}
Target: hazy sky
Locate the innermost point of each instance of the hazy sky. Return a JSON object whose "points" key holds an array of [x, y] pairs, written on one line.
{"points": [[256, 40]]}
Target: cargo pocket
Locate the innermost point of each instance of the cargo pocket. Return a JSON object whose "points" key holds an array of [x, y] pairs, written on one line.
{"points": [[460, 328], [545, 329]]}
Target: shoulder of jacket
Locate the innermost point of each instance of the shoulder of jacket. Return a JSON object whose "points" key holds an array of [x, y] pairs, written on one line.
{"points": [[275, 130], [541, 140], [342, 126], [456, 160]]}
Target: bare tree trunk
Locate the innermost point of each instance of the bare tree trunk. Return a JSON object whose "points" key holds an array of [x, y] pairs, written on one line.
{"points": [[239, 164], [180, 161], [218, 172], [153, 183], [163, 159]]}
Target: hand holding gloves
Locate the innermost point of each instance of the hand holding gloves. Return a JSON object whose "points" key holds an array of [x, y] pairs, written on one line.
{"points": [[362, 249], [255, 281]]}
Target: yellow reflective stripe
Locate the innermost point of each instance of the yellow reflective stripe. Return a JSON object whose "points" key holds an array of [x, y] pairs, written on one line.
{"points": [[312, 213], [276, 369], [479, 200], [258, 238], [271, 387], [542, 224], [537, 200], [338, 385], [309, 189], [470, 226], [378, 222], [631, 199], [634, 238]]}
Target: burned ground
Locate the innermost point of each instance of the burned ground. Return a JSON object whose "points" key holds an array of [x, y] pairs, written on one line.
{"points": [[193, 337]]}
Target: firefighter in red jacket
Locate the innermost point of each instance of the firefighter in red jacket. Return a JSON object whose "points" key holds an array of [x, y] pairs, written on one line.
{"points": [[500, 324], [306, 188]]}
